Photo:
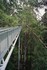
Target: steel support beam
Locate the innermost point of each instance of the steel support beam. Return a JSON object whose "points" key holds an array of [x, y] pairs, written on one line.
{"points": [[19, 53]]}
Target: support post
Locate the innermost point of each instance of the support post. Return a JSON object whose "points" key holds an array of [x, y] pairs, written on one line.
{"points": [[19, 53], [25, 54], [2, 60]]}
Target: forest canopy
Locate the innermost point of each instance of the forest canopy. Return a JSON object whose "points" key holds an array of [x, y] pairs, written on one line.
{"points": [[33, 34]]}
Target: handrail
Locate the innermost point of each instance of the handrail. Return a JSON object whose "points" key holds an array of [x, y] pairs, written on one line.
{"points": [[8, 29]]}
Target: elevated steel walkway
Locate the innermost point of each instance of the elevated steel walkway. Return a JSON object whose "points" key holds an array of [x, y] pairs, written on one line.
{"points": [[8, 39]]}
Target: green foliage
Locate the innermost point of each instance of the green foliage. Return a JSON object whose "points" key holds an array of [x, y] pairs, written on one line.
{"points": [[39, 52], [1, 5], [44, 19], [33, 2], [29, 25], [44, 35], [6, 20]]}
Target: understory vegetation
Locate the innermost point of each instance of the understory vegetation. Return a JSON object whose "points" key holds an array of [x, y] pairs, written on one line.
{"points": [[33, 36]]}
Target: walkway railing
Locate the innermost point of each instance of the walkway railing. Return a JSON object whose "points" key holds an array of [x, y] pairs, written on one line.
{"points": [[8, 38]]}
